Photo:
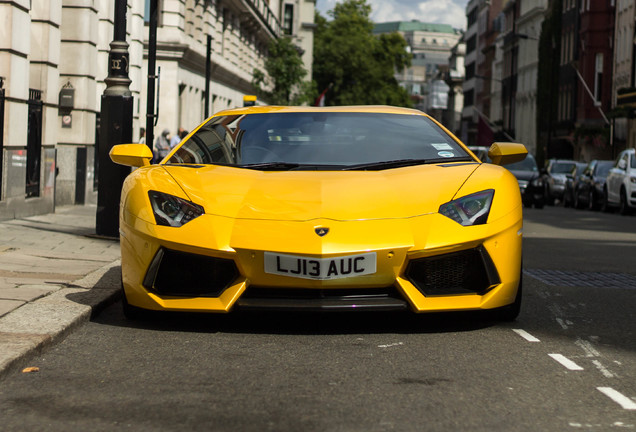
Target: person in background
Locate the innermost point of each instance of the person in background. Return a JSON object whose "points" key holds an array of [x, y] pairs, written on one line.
{"points": [[176, 138], [162, 146], [142, 136]]}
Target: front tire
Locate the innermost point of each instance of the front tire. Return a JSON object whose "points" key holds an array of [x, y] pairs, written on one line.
{"points": [[591, 205], [549, 199], [131, 313], [605, 207], [623, 206], [511, 312], [577, 201]]}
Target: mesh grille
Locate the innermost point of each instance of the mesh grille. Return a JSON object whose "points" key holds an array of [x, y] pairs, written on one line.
{"points": [[184, 274], [465, 272]]}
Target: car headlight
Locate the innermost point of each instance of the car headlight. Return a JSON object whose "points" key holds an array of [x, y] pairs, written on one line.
{"points": [[632, 179], [538, 182], [173, 211], [469, 210]]}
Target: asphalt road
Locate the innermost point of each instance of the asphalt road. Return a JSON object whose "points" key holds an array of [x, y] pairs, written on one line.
{"points": [[568, 362]]}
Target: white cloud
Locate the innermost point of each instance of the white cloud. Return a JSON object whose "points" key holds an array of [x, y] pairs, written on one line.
{"points": [[451, 12]]}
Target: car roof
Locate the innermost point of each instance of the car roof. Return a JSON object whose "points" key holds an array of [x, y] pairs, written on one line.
{"points": [[386, 109]]}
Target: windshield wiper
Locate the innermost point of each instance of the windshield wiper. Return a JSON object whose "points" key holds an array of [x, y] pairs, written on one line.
{"points": [[272, 166], [402, 163]]}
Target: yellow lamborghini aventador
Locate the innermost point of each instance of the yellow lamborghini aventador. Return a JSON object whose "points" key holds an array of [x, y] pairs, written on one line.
{"points": [[334, 208]]}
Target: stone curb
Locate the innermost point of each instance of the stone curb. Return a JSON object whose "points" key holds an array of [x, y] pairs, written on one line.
{"points": [[35, 326]]}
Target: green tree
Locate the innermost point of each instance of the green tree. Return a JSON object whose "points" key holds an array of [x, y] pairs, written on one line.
{"points": [[282, 84], [356, 66]]}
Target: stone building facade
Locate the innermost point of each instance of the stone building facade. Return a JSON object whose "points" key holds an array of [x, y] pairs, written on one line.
{"points": [[430, 45], [53, 61], [624, 82]]}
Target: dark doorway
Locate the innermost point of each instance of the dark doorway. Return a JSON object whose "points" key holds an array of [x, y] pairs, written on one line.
{"points": [[80, 175], [34, 144]]}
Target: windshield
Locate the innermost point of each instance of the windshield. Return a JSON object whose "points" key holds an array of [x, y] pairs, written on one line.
{"points": [[562, 167], [528, 164], [319, 140], [603, 168]]}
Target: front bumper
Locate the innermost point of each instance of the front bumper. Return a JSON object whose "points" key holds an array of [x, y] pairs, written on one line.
{"points": [[427, 263], [557, 190], [531, 194]]}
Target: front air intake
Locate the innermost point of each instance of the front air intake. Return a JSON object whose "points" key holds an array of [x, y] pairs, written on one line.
{"points": [[176, 273], [466, 272]]}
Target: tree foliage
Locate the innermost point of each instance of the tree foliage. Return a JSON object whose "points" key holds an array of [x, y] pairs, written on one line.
{"points": [[282, 83], [357, 66]]}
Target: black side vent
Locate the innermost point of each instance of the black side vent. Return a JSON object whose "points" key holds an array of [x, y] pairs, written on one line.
{"points": [[466, 272], [190, 275]]}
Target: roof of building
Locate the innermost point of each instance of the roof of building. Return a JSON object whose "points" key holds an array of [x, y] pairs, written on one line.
{"points": [[414, 25]]}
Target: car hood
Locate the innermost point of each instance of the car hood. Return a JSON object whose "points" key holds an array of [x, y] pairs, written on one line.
{"points": [[305, 195]]}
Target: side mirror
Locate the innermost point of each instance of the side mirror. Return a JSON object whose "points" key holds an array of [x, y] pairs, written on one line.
{"points": [[504, 153], [136, 155], [622, 164]]}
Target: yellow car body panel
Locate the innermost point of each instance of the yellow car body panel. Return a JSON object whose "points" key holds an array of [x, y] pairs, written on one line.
{"points": [[394, 213]]}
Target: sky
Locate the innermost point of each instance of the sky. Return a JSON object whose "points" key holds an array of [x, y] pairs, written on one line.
{"points": [[451, 12]]}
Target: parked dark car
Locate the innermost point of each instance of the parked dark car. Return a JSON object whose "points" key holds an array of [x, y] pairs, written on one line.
{"points": [[554, 178], [530, 181], [589, 189], [571, 181]]}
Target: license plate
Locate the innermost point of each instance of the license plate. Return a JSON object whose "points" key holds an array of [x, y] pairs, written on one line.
{"points": [[320, 268]]}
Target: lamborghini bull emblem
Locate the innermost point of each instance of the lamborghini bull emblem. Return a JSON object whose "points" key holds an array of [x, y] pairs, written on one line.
{"points": [[321, 231]]}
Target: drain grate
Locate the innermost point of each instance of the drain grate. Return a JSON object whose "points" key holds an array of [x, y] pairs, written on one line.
{"points": [[583, 279]]}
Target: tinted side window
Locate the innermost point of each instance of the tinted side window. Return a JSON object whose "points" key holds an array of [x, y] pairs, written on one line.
{"points": [[211, 144]]}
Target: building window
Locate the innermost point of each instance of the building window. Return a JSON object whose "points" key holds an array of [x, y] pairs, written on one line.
{"points": [[470, 70], [288, 19], [147, 11], [472, 17], [471, 44], [469, 97], [598, 77]]}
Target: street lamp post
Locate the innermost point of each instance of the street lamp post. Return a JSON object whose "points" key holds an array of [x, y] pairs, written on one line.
{"points": [[208, 58], [115, 127], [151, 116]]}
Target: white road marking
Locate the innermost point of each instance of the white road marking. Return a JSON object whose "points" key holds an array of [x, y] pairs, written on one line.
{"points": [[527, 336], [600, 426], [391, 345], [606, 373], [569, 364], [619, 398], [555, 309], [586, 346], [562, 323]]}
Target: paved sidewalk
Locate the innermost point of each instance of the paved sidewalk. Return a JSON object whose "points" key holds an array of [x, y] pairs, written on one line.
{"points": [[54, 272]]}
